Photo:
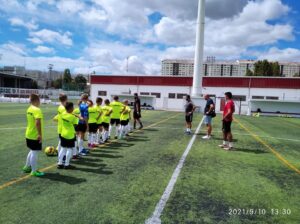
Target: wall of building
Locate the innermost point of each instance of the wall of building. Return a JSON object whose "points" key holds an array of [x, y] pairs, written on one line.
{"points": [[162, 102]]}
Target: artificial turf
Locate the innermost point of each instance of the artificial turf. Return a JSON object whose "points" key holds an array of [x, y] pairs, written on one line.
{"points": [[123, 181]]}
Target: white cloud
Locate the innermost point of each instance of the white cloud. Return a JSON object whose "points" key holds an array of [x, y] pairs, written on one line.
{"points": [[44, 50], [19, 22], [15, 48], [49, 36], [93, 16], [275, 54], [35, 40], [70, 6]]}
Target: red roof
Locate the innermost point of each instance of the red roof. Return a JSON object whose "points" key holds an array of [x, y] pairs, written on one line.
{"points": [[242, 82]]}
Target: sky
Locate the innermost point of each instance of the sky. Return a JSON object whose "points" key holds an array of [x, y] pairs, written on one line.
{"points": [[106, 35]]}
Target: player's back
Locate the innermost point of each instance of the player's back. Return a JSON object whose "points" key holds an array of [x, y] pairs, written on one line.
{"points": [[117, 107]]}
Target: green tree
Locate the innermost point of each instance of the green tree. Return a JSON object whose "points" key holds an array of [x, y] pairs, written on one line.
{"points": [[275, 69], [296, 75], [80, 82], [67, 76], [57, 84], [266, 68], [249, 72], [34, 84]]}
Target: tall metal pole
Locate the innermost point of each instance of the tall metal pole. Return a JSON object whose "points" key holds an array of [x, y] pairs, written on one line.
{"points": [[199, 48]]}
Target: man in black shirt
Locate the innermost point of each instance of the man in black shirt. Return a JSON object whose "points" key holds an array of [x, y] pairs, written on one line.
{"points": [[189, 110], [137, 111], [208, 112]]}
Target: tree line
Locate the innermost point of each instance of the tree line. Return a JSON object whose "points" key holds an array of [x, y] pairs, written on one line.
{"points": [[67, 82]]}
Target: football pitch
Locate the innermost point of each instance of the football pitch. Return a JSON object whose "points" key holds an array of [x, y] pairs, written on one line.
{"points": [[123, 181]]}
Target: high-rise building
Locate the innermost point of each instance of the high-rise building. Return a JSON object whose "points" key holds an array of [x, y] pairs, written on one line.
{"points": [[210, 67]]}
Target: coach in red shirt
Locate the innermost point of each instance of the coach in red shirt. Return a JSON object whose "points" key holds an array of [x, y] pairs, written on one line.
{"points": [[227, 120]]}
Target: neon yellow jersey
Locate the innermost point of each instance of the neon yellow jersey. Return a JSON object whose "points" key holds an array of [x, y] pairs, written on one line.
{"points": [[117, 107], [76, 112], [99, 110], [105, 114], [125, 114], [67, 125], [60, 110], [93, 114], [33, 113]]}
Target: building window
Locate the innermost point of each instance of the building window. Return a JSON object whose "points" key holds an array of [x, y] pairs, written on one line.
{"points": [[272, 98], [239, 98], [102, 93], [172, 95], [258, 97], [156, 94], [144, 94], [181, 95]]}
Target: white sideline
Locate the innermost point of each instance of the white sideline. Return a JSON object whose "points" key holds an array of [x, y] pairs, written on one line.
{"points": [[155, 218]]}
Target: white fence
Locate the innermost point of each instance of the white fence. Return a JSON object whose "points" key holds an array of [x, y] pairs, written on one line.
{"points": [[44, 93]]}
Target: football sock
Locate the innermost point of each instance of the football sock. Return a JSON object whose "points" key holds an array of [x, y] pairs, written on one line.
{"points": [[109, 130], [68, 156], [225, 143], [94, 137], [117, 130], [28, 159], [74, 151], [104, 136], [80, 143], [33, 160], [90, 138], [61, 155], [58, 146], [231, 144]]}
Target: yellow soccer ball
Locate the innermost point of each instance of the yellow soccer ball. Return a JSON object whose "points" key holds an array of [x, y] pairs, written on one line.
{"points": [[50, 151]]}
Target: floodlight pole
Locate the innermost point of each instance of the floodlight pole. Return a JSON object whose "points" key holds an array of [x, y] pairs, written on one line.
{"points": [[199, 48]]}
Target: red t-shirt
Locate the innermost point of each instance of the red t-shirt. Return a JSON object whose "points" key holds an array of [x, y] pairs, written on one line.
{"points": [[229, 106]]}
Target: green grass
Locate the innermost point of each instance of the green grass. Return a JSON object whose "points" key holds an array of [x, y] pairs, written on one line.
{"points": [[122, 182]]}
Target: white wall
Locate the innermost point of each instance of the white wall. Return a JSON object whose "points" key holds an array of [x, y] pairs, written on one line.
{"points": [[160, 103], [178, 104], [282, 107]]}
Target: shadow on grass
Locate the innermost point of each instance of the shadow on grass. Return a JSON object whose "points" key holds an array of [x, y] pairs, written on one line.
{"points": [[150, 129], [255, 151], [106, 155], [100, 170], [63, 178], [86, 163]]}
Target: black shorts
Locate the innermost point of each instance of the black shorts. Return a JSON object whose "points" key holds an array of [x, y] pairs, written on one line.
{"points": [[33, 144], [67, 143], [59, 136], [80, 128], [105, 125], [226, 126], [114, 121], [136, 115], [93, 127], [189, 118], [124, 123]]}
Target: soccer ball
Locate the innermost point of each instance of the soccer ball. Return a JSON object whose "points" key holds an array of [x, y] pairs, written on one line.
{"points": [[50, 151]]}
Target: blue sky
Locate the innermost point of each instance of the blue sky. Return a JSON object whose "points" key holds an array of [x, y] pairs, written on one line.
{"points": [[101, 35]]}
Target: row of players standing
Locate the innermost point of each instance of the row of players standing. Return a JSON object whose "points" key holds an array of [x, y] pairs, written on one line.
{"points": [[73, 124]]}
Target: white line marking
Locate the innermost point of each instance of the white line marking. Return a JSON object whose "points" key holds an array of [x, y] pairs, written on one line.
{"points": [[155, 218]]}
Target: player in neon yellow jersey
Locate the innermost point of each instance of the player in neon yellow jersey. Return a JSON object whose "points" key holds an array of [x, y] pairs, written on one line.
{"points": [[68, 136], [98, 106], [60, 110], [117, 107], [106, 112], [93, 127], [34, 135], [125, 116]]}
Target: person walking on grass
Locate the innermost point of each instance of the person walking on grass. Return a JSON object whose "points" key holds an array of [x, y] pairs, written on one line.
{"points": [[137, 112], [33, 135], [209, 113], [189, 110], [229, 109]]}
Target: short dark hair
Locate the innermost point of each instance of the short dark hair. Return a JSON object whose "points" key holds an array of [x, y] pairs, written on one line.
{"points": [[135, 94], [107, 102], [188, 97], [229, 95], [63, 97], [34, 98], [99, 100], [69, 106], [84, 96], [116, 98]]}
